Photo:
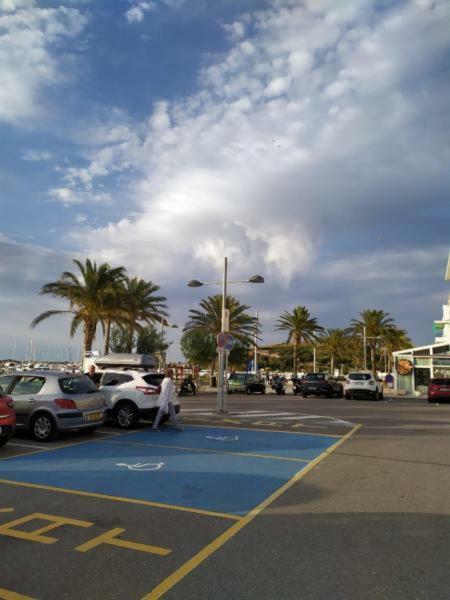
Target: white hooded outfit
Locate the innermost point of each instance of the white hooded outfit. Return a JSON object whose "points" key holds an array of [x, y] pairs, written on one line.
{"points": [[165, 403]]}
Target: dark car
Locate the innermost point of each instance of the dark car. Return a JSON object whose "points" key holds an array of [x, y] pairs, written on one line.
{"points": [[439, 389], [246, 383], [318, 384], [7, 418]]}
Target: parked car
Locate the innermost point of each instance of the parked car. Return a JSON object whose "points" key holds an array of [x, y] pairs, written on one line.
{"points": [[363, 384], [439, 389], [318, 384], [46, 402], [7, 418], [246, 383], [131, 394]]}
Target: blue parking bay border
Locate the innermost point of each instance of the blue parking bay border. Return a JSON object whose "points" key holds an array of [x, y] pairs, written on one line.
{"points": [[219, 470]]}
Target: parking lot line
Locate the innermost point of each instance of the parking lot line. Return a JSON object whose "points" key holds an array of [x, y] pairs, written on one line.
{"points": [[210, 451], [51, 488], [7, 595], [231, 421], [196, 560]]}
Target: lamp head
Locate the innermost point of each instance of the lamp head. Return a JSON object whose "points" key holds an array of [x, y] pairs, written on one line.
{"points": [[256, 279], [195, 283]]}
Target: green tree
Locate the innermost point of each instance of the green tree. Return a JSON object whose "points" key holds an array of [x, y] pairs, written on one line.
{"points": [[208, 321], [139, 304], [301, 327], [151, 341], [119, 339], [334, 345], [87, 293], [198, 348], [379, 325]]}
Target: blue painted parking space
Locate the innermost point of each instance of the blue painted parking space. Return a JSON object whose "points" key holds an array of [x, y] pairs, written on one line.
{"points": [[219, 470]]}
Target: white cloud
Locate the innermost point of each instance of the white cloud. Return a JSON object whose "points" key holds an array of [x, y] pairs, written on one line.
{"points": [[36, 155], [136, 13], [68, 196], [301, 139], [28, 61]]}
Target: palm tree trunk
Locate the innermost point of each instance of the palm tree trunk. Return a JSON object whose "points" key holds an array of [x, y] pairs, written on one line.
{"points": [[130, 340], [295, 357], [372, 359], [332, 364], [107, 336], [213, 366], [89, 327]]}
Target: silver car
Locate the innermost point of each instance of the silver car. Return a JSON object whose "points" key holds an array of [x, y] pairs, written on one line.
{"points": [[46, 402]]}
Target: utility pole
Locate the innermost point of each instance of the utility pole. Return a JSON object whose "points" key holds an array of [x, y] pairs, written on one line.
{"points": [[365, 348], [255, 359]]}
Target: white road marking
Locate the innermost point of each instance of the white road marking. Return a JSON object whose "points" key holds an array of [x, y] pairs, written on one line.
{"points": [[142, 466], [31, 446], [224, 438]]}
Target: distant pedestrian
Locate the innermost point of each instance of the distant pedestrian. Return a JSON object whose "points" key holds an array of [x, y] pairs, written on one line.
{"points": [[389, 381], [165, 402], [93, 376]]}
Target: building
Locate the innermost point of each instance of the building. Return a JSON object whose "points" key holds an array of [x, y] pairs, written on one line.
{"points": [[414, 367]]}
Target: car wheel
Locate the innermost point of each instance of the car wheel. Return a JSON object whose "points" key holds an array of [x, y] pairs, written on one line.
{"points": [[305, 395], [263, 391], [376, 395], [43, 428], [248, 391], [431, 400], [126, 415], [3, 440]]}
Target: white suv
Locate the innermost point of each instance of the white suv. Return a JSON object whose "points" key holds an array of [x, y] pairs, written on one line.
{"points": [[131, 395], [362, 384]]}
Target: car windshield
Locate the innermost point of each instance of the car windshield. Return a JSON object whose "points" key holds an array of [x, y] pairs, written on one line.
{"points": [[441, 381], [77, 385], [238, 377], [315, 377], [360, 376]]}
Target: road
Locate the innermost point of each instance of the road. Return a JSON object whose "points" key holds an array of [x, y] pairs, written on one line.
{"points": [[367, 518]]}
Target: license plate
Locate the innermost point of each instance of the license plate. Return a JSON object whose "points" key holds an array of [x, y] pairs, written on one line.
{"points": [[93, 416]]}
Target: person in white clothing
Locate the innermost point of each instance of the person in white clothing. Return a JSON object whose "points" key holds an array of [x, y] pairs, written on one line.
{"points": [[165, 401]]}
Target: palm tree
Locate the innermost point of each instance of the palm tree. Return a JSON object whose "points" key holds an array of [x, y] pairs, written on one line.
{"points": [[301, 327], [138, 304], [378, 324], [87, 294], [394, 339], [208, 320], [334, 343]]}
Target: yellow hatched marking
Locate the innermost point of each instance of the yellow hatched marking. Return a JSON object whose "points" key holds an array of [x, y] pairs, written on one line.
{"points": [[9, 530], [51, 488], [302, 433], [211, 451], [196, 560], [7, 595], [110, 538]]}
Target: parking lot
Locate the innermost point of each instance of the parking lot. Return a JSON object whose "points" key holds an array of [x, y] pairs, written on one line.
{"points": [[278, 498]]}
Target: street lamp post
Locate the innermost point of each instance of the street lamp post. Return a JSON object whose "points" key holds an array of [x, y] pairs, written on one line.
{"points": [[221, 383], [163, 324]]}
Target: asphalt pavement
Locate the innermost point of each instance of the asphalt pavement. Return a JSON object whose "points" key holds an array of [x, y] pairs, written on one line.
{"points": [[365, 516]]}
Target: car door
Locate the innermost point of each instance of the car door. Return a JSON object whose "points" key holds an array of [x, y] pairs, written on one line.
{"points": [[24, 392]]}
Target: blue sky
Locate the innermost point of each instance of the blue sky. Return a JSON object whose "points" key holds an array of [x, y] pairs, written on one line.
{"points": [[307, 140]]}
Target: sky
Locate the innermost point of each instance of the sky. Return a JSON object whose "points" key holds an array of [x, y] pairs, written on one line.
{"points": [[306, 140]]}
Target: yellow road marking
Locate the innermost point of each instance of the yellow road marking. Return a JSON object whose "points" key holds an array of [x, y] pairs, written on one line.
{"points": [[5, 510], [36, 535], [7, 595], [110, 537], [196, 560], [51, 488], [302, 433], [252, 454]]}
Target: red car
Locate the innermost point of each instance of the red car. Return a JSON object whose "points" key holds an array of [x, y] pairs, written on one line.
{"points": [[7, 418], [439, 389]]}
